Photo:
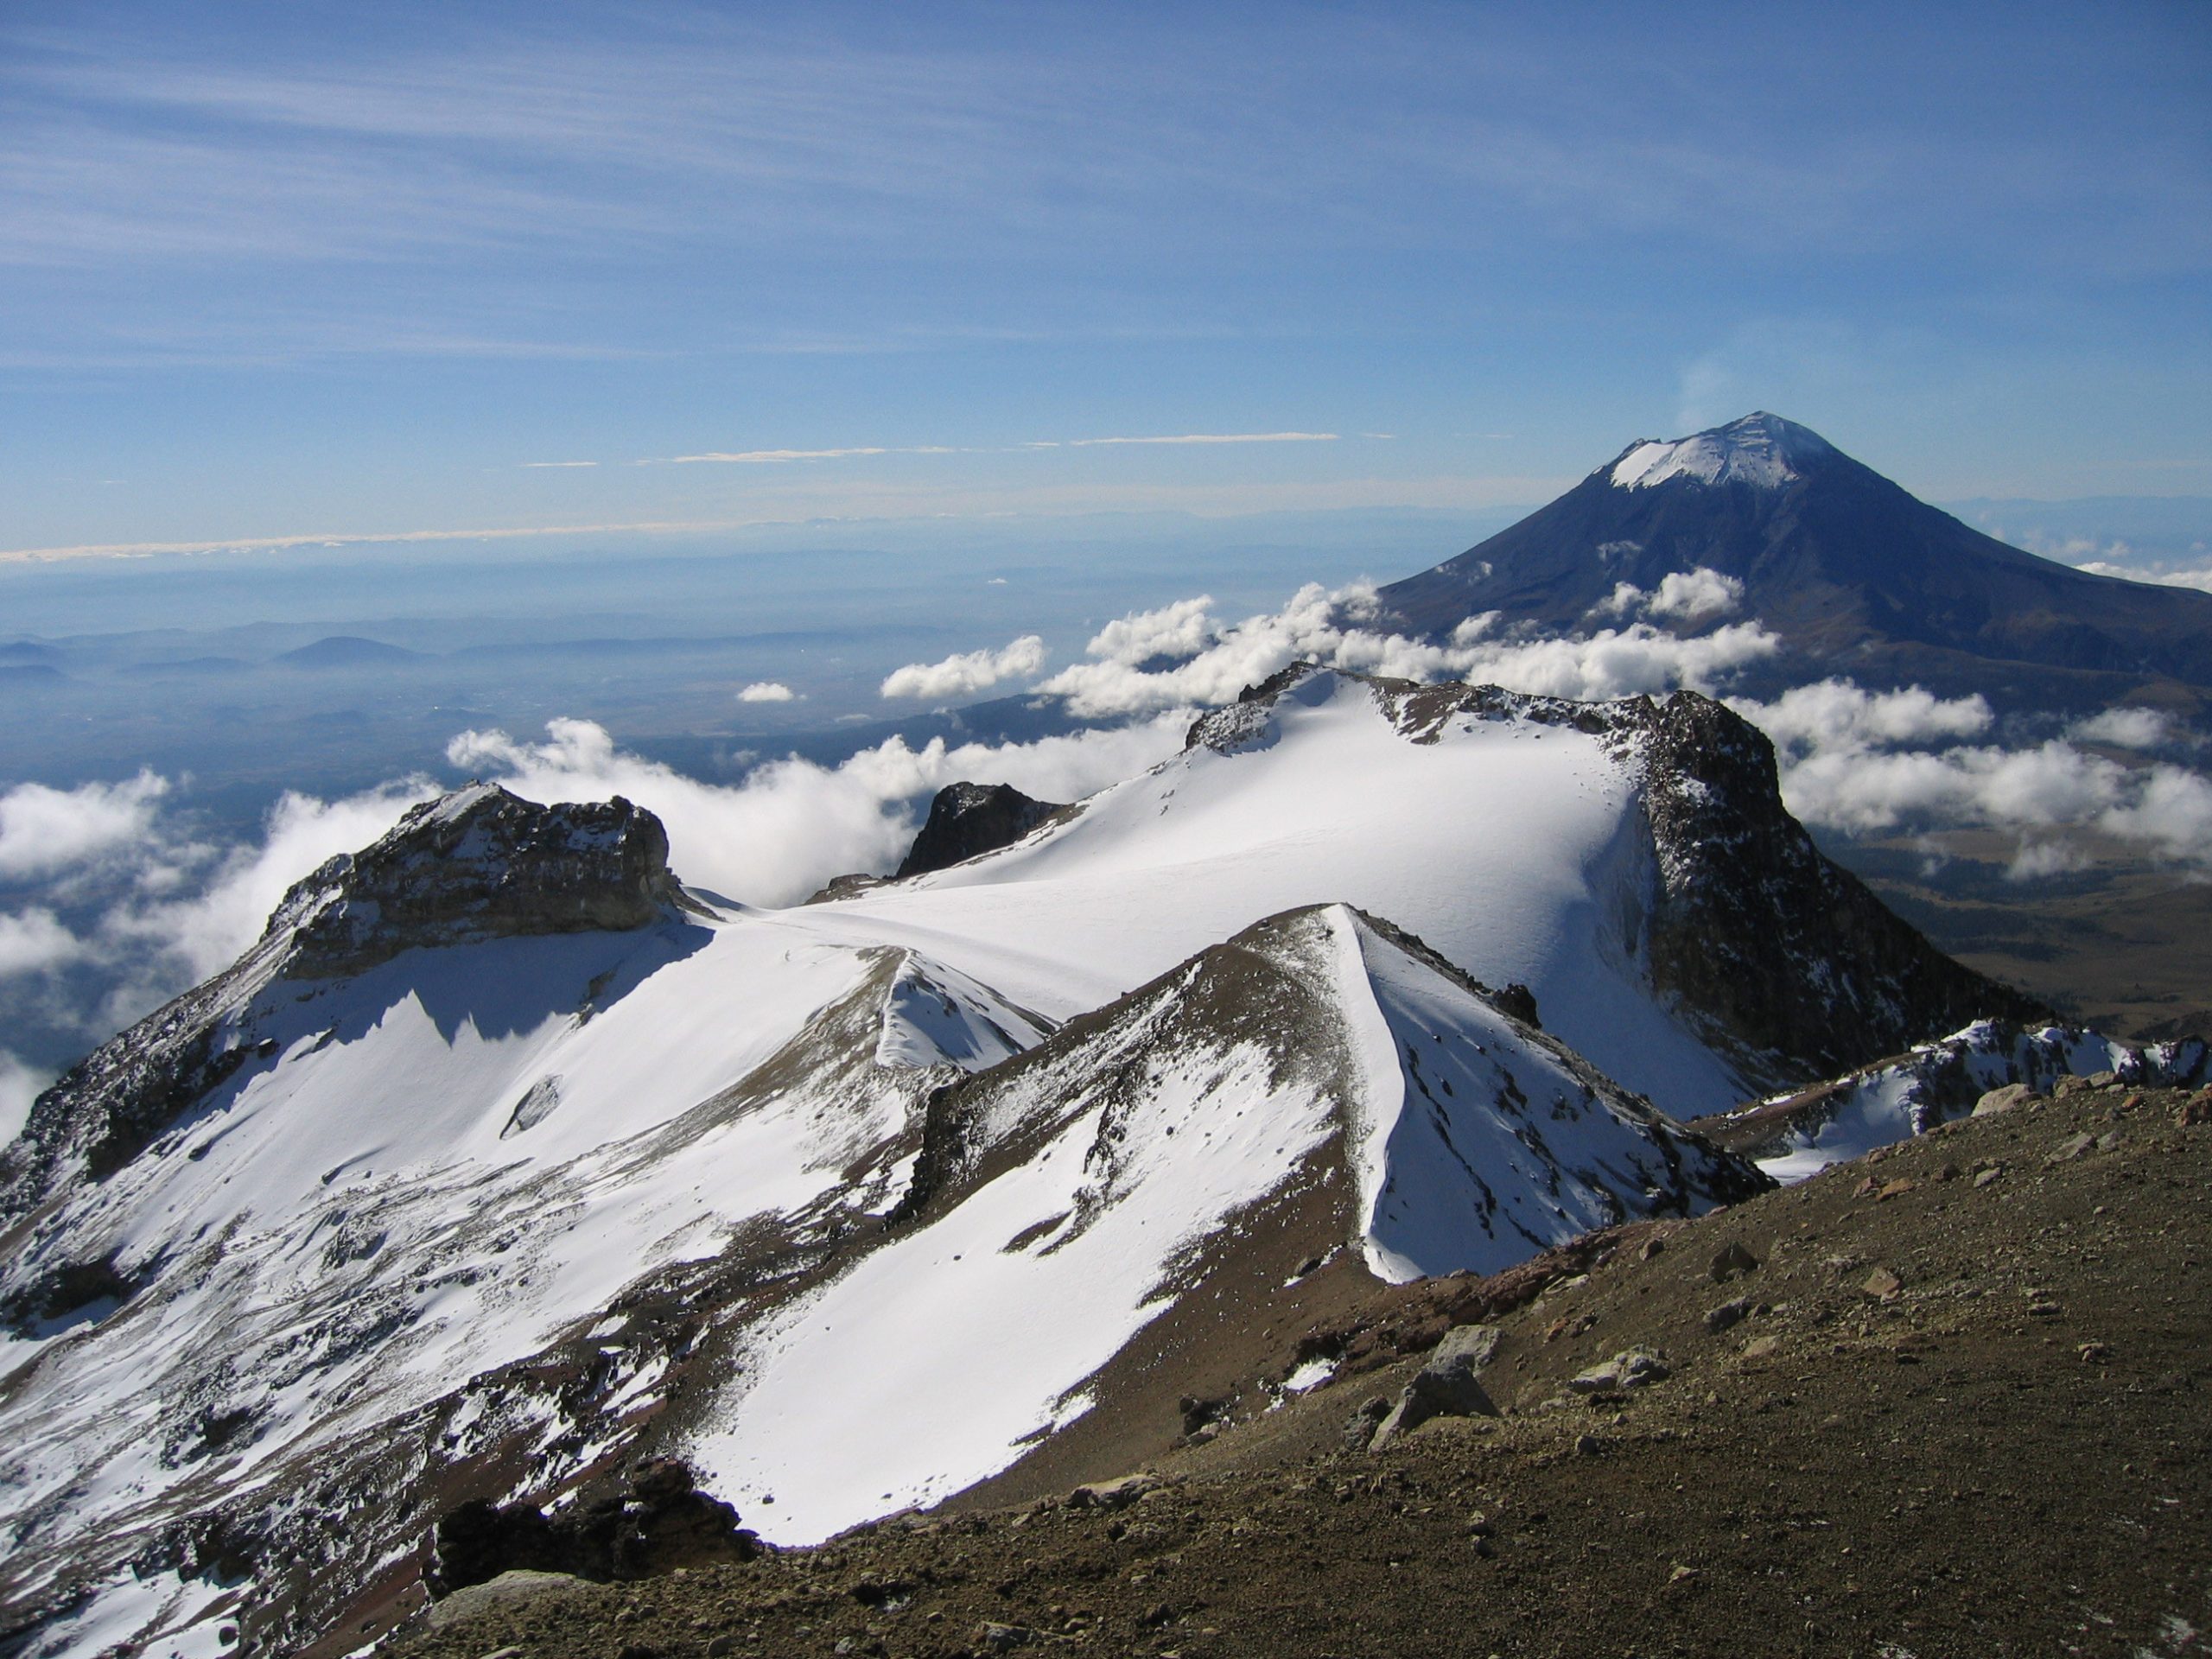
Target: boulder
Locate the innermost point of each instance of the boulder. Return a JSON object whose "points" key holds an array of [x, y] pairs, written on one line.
{"points": [[1447, 1386], [507, 1590], [2011, 1096], [1631, 1368]]}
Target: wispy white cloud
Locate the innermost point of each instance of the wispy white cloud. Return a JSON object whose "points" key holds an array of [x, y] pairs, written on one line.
{"points": [[532, 466], [2126, 728], [365, 539], [1873, 763], [1208, 437], [20, 1085], [771, 457], [967, 672], [33, 941], [44, 831], [1690, 596]]}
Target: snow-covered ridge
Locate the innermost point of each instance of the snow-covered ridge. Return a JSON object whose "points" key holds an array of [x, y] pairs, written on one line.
{"points": [[1762, 450], [1319, 1063], [1797, 1135]]}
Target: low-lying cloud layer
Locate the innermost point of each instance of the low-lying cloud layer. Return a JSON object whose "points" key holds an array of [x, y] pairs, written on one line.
{"points": [[969, 672], [1869, 763], [1213, 660], [113, 903]]}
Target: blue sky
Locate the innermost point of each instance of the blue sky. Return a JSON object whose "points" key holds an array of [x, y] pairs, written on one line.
{"points": [[310, 270]]}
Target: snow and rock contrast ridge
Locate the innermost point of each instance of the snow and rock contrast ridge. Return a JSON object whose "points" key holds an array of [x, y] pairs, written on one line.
{"points": [[501, 1159], [1762, 450], [476, 866], [1800, 1134], [1630, 863], [1319, 1064]]}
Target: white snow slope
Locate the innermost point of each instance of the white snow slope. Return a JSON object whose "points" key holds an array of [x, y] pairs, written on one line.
{"points": [[1461, 1139], [1513, 846]]}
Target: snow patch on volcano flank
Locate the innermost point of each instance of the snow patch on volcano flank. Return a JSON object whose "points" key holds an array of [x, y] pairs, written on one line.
{"points": [[1762, 450]]}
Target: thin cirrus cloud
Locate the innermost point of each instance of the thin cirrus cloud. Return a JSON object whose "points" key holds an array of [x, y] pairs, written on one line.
{"points": [[1194, 437], [772, 457], [533, 466]]}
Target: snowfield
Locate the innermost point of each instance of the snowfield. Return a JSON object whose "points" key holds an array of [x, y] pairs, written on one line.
{"points": [[1513, 847]]}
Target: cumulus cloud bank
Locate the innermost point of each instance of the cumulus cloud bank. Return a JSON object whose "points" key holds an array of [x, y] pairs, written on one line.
{"points": [[1874, 762], [115, 906], [1208, 661], [789, 825], [967, 672], [44, 831], [1690, 596]]}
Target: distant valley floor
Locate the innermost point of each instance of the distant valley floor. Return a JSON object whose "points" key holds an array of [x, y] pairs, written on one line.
{"points": [[2119, 945]]}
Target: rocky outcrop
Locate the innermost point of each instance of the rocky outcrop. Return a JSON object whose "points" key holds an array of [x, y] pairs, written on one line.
{"points": [[1760, 935], [1777, 956], [1449, 1385], [661, 1521], [479, 864], [968, 820]]}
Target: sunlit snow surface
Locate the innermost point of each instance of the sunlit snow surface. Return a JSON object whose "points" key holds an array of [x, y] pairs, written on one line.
{"points": [[1758, 450], [1512, 847]]}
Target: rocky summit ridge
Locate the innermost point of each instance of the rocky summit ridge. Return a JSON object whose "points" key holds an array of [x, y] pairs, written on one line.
{"points": [[472, 865]]}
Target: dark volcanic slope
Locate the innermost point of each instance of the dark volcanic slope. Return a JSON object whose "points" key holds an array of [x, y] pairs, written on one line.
{"points": [[1955, 1409], [1847, 567]]}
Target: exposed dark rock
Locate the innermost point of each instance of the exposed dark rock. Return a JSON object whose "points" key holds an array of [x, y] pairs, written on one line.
{"points": [[1766, 938], [479, 864], [74, 1288], [968, 820], [1520, 1001], [1784, 960], [661, 1523]]}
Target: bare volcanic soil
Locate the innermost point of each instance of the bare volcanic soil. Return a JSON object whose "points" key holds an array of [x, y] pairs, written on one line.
{"points": [[1958, 1406]]}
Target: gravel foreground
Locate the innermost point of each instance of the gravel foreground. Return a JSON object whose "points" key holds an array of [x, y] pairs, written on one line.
{"points": [[1958, 1407]]}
